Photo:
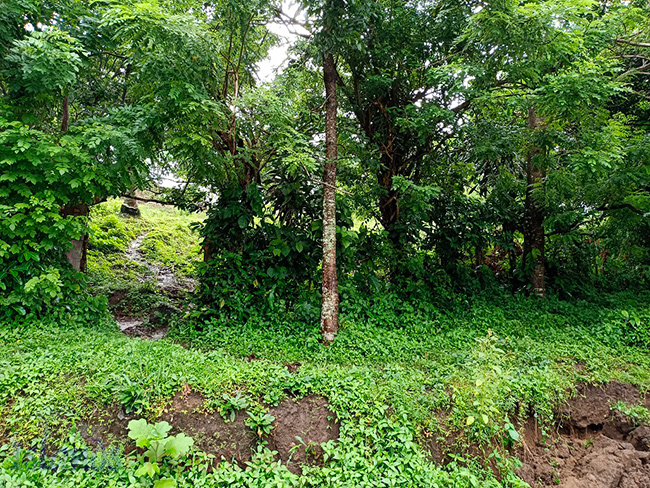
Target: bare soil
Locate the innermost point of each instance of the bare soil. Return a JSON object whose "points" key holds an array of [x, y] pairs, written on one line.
{"points": [[105, 427], [232, 440], [308, 418], [595, 446]]}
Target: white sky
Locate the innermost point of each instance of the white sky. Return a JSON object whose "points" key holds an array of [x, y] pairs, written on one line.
{"points": [[277, 59]]}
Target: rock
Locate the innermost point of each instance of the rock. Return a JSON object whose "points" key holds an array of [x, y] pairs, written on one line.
{"points": [[132, 211]]}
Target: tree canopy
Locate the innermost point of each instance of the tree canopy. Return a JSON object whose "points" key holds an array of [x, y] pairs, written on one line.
{"points": [[501, 143]]}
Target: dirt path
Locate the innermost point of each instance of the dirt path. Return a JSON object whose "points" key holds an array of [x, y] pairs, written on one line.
{"points": [[166, 279], [167, 283]]}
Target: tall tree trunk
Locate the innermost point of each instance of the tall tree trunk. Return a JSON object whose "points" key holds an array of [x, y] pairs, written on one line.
{"points": [[329, 319], [79, 252], [534, 214]]}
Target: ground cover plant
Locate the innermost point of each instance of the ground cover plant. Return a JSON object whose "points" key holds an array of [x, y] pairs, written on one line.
{"points": [[166, 241], [418, 254], [398, 380]]}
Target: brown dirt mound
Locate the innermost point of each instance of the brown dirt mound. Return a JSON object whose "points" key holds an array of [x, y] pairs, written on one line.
{"points": [[309, 419], [212, 434], [595, 447], [105, 427]]}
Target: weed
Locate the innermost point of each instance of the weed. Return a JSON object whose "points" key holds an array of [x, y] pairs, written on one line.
{"points": [[391, 376], [161, 451], [230, 405], [261, 422], [639, 414]]}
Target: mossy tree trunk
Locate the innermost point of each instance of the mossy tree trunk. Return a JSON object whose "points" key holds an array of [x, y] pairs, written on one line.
{"points": [[330, 306]]}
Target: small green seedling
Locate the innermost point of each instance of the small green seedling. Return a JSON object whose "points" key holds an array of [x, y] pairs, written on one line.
{"points": [[261, 422], [159, 447], [231, 405], [311, 448]]}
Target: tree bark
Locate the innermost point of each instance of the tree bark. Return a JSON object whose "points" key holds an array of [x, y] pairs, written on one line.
{"points": [[329, 321], [533, 260], [65, 113], [79, 252]]}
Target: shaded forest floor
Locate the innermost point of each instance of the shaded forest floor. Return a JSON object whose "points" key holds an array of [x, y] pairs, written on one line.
{"points": [[492, 391]]}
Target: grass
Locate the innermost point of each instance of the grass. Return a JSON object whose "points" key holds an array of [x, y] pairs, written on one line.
{"points": [[396, 377], [169, 241]]}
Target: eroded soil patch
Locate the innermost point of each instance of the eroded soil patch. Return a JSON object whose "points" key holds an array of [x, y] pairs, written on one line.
{"points": [[233, 440], [596, 447], [152, 325], [309, 419], [105, 427]]}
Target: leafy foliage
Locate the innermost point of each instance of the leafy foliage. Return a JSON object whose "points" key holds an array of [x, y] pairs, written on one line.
{"points": [[385, 379], [467, 131], [157, 446]]}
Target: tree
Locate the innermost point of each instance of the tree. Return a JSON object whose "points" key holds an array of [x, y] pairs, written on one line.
{"points": [[330, 307], [405, 93], [325, 40], [79, 122], [553, 74]]}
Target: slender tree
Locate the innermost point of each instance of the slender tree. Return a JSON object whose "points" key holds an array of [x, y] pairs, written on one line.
{"points": [[533, 224], [329, 320]]}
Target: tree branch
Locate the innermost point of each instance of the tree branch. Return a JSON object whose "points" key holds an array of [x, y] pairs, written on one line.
{"points": [[632, 43], [149, 200]]}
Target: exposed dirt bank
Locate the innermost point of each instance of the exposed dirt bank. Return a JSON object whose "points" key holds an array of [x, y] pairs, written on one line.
{"points": [[596, 447], [308, 419]]}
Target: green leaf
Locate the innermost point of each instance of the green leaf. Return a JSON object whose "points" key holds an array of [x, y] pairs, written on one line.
{"points": [[161, 429], [140, 431], [148, 468], [178, 445], [165, 483]]}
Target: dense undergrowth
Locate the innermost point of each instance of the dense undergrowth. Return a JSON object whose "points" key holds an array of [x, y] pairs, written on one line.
{"points": [[399, 376]]}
